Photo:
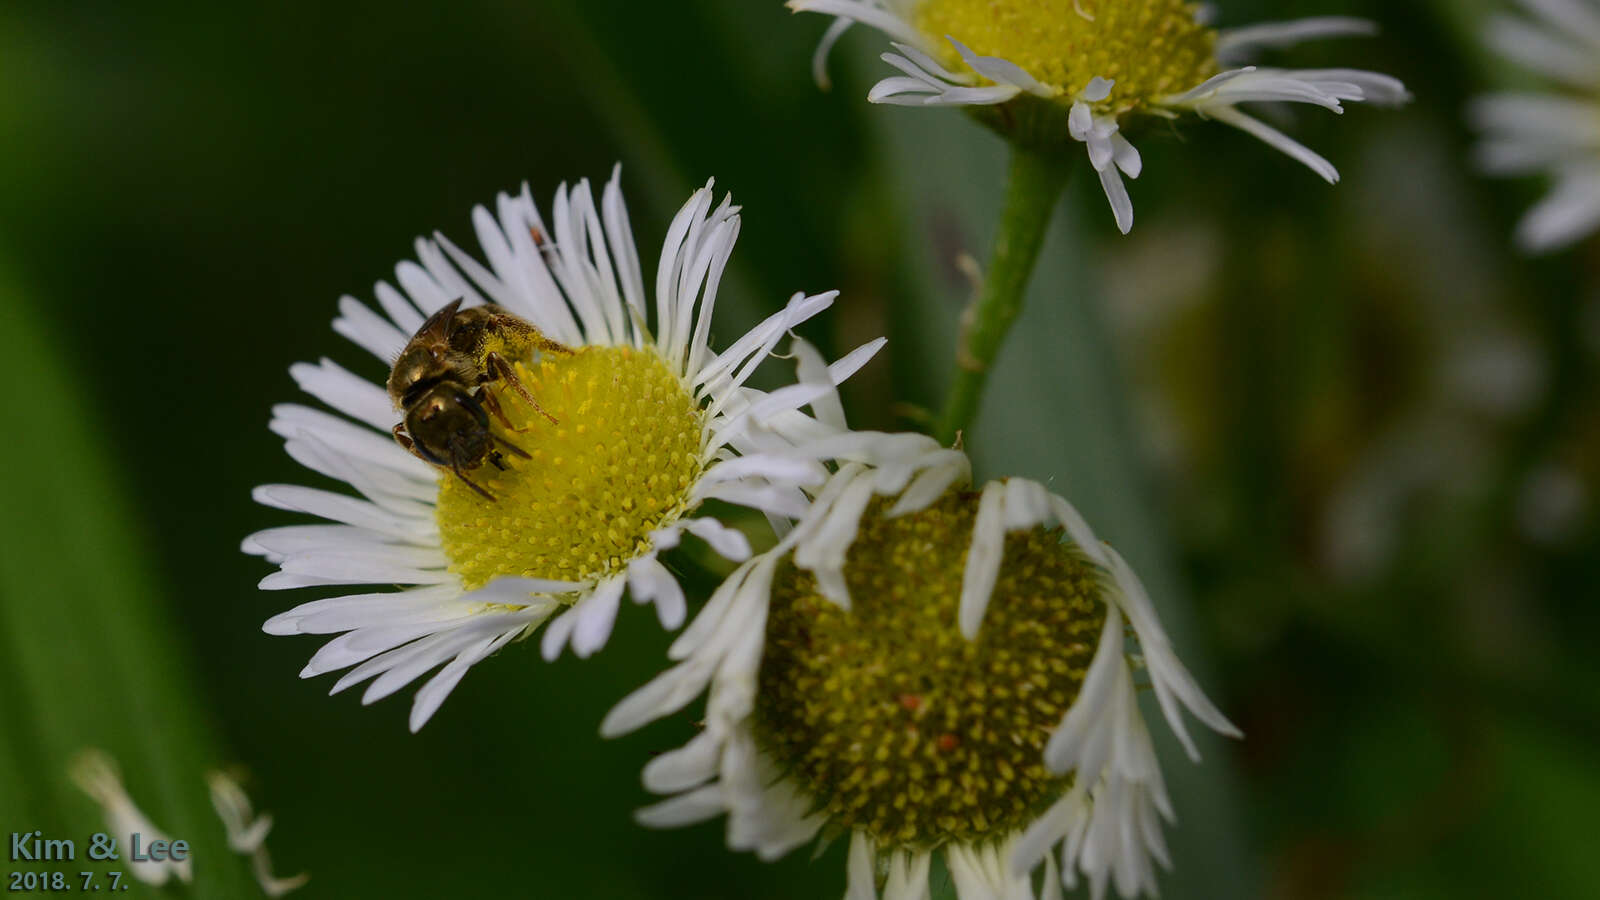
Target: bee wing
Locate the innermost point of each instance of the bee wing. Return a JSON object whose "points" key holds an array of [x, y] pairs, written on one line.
{"points": [[438, 325]]}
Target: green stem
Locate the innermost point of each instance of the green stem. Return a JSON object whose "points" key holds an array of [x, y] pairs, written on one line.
{"points": [[1034, 185]]}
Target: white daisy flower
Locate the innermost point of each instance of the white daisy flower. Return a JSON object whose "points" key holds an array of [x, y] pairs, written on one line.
{"points": [[1556, 133], [643, 427], [944, 671], [1047, 71]]}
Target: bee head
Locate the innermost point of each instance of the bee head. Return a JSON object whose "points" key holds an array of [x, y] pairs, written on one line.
{"points": [[417, 365], [450, 426]]}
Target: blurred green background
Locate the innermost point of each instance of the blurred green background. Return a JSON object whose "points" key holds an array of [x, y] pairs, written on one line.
{"points": [[1347, 434]]}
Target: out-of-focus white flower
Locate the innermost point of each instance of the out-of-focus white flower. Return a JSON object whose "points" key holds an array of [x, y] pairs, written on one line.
{"points": [[932, 670], [1098, 67], [1553, 132]]}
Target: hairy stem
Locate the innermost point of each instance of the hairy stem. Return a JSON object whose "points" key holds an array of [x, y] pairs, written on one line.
{"points": [[1033, 186]]}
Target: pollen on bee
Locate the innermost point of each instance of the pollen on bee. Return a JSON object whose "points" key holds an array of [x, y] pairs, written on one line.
{"points": [[572, 511]]}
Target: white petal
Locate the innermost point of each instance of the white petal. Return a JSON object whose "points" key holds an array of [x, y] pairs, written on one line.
{"points": [[432, 695], [1002, 71], [596, 614], [346, 392], [650, 582], [1117, 194], [1278, 140], [819, 60], [684, 809], [1171, 679], [556, 634], [730, 543], [813, 369], [346, 509], [370, 331], [1543, 51], [1097, 89], [983, 558], [1579, 18], [1233, 43], [1571, 211], [861, 875], [882, 20], [686, 767]]}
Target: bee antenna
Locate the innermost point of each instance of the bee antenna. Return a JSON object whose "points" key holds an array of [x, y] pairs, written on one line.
{"points": [[510, 446]]}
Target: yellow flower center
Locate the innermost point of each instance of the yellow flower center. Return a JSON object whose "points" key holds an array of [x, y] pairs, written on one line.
{"points": [[619, 464], [1150, 48], [896, 723]]}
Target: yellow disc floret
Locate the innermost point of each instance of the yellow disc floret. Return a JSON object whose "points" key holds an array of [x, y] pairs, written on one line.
{"points": [[1150, 48], [894, 721], [619, 464]]}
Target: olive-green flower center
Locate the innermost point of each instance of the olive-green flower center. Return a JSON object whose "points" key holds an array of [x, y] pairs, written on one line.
{"points": [[897, 724], [619, 464], [1150, 48]]}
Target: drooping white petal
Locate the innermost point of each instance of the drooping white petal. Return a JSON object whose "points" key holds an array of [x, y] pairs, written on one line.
{"points": [[983, 559], [861, 874], [819, 59], [1172, 681], [1110, 153], [1278, 140], [650, 582], [865, 13], [595, 618]]}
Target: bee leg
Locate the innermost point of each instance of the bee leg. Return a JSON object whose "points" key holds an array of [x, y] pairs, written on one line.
{"points": [[506, 373], [536, 339], [469, 483], [410, 445], [492, 404], [540, 342], [512, 447]]}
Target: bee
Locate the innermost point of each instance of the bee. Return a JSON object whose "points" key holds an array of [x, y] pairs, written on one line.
{"points": [[440, 384]]}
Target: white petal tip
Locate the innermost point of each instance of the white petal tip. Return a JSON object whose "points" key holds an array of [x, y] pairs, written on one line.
{"points": [[281, 625]]}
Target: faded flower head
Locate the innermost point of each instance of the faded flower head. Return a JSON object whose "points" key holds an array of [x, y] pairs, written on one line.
{"points": [[1555, 132], [96, 774], [1049, 72], [636, 427], [928, 669]]}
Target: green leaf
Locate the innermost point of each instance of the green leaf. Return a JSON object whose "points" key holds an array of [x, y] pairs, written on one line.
{"points": [[90, 658]]}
